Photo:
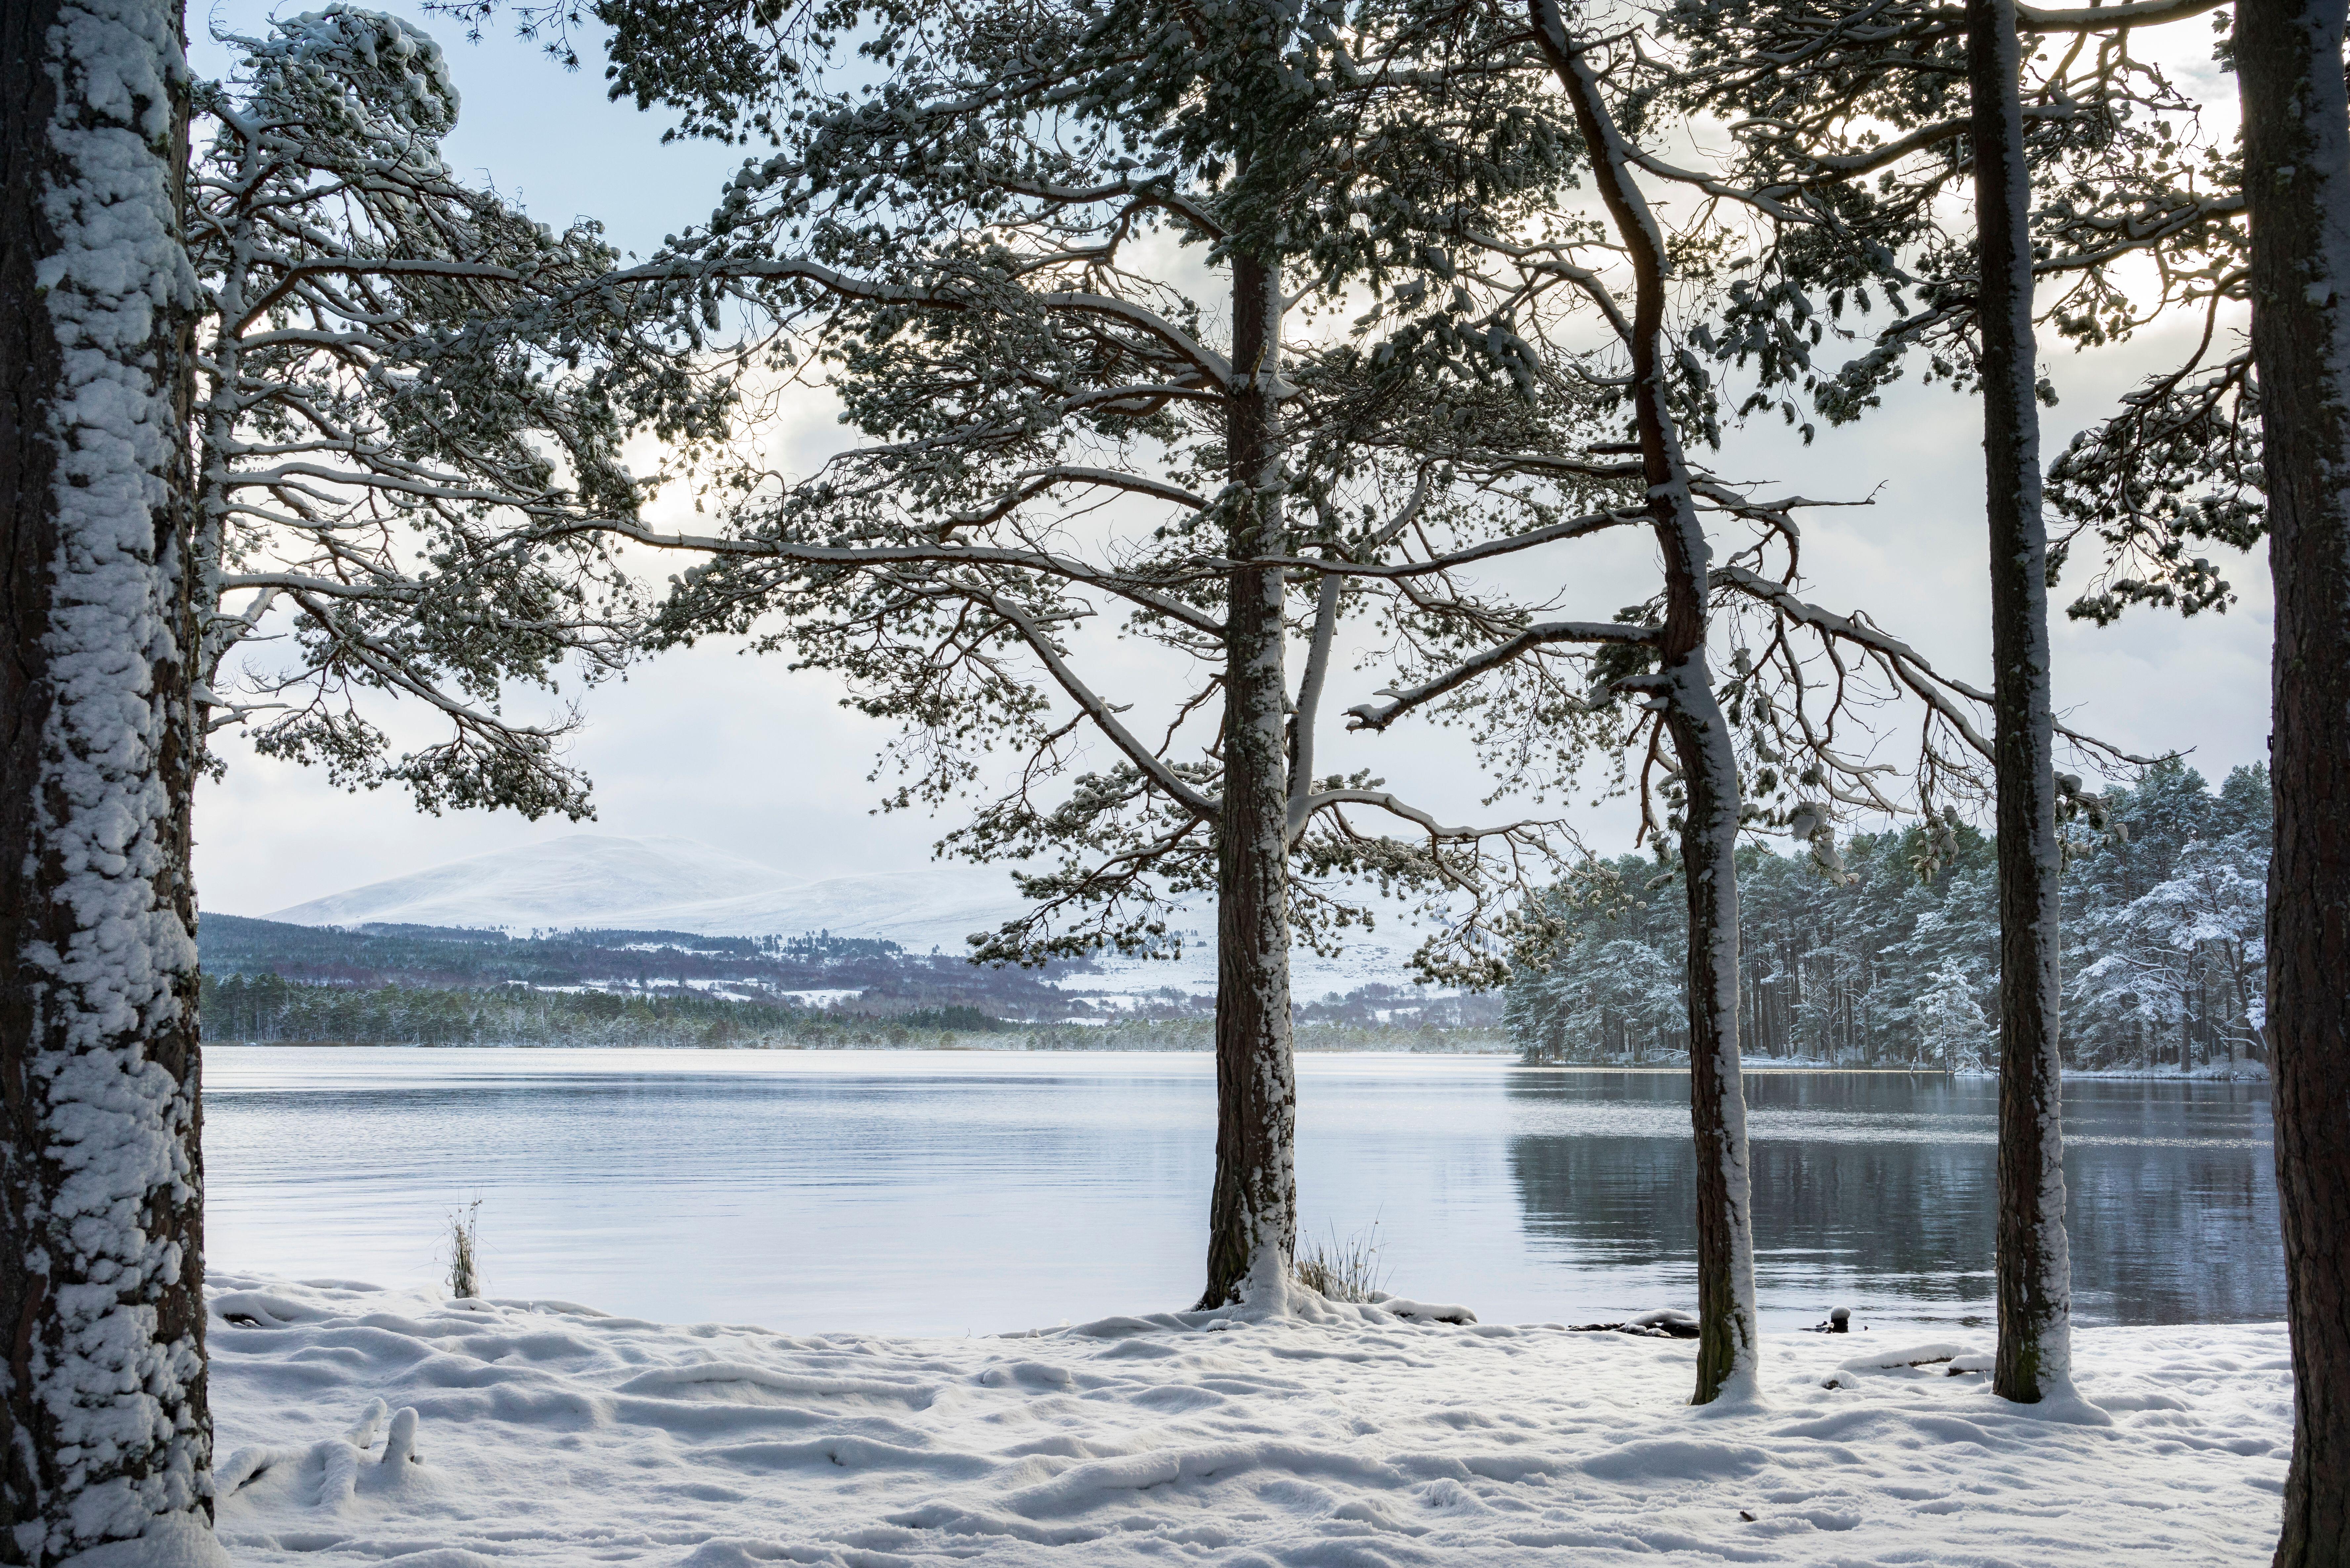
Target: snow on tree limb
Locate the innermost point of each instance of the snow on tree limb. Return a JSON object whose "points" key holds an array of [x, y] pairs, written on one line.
{"points": [[411, 405]]}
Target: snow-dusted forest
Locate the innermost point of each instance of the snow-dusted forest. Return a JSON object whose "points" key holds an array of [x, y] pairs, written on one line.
{"points": [[1894, 960]]}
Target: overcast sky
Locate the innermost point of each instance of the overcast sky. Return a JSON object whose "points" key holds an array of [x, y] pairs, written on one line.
{"points": [[738, 752]]}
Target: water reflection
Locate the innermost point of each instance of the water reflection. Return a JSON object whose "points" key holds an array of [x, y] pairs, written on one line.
{"points": [[1876, 1191], [935, 1192]]}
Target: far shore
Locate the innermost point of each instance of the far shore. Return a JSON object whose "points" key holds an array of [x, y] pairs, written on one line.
{"points": [[2253, 1073]]}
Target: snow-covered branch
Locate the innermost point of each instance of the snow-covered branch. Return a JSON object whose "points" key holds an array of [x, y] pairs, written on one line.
{"points": [[409, 414]]}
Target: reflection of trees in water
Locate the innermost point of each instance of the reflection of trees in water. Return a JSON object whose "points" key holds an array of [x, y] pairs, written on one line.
{"points": [[2175, 1235], [2173, 1232]]}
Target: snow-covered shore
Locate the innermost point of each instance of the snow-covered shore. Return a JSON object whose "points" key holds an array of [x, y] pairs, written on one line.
{"points": [[547, 1433]]}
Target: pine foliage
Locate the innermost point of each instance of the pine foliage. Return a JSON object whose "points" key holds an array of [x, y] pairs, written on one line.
{"points": [[411, 405]]}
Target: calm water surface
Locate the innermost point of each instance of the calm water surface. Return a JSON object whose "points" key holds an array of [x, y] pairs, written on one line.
{"points": [[939, 1192]]}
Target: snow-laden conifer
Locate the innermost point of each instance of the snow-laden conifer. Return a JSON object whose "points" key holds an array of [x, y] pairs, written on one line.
{"points": [[1855, 124], [994, 259], [411, 407]]}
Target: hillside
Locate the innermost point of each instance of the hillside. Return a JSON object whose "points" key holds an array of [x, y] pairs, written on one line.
{"points": [[588, 880], [269, 981], [656, 917], [871, 975]]}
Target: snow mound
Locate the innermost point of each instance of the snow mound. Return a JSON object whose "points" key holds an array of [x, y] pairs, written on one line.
{"points": [[366, 1426]]}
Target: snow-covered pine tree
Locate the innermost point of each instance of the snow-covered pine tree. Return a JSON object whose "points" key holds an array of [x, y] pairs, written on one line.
{"points": [[1682, 688], [1953, 1033], [108, 1450], [411, 405], [2289, 63], [1667, 390], [993, 256], [1736, 51], [2157, 965], [2033, 1356]]}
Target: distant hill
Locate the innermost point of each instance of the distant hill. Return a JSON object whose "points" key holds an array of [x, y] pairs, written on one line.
{"points": [[269, 981], [588, 880], [859, 974], [666, 913]]}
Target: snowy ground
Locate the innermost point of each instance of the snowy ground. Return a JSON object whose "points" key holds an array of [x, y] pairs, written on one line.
{"points": [[545, 1433]]}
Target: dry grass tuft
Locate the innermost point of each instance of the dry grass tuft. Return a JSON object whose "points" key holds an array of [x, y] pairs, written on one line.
{"points": [[465, 1276], [1338, 1271]]}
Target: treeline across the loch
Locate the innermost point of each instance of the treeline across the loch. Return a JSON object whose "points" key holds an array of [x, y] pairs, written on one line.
{"points": [[881, 975], [268, 1009], [1894, 961]]}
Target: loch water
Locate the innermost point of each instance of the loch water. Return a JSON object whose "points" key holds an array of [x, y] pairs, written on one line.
{"points": [[946, 1192]]}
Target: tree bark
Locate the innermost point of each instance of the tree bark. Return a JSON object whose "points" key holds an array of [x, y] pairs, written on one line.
{"points": [[2297, 180], [1729, 1348], [1728, 1340], [104, 1433], [2034, 1268], [1253, 1213]]}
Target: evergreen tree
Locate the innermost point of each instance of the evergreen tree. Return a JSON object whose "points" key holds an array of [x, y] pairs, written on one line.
{"points": [[2289, 63], [410, 404], [1863, 116]]}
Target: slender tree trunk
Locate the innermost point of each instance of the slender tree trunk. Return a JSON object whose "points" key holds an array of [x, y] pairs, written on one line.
{"points": [[1728, 1336], [2035, 1275], [104, 1422], [1729, 1341], [1253, 1213], [2297, 178]]}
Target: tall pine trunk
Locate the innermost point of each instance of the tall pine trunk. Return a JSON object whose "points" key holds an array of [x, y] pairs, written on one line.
{"points": [[2034, 1269], [1253, 1213], [1729, 1339], [103, 1421], [2297, 180]]}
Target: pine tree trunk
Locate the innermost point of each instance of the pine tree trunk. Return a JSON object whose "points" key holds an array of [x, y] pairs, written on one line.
{"points": [[104, 1422], [1728, 1350], [2297, 178], [1253, 1213], [2034, 1269], [1729, 1346]]}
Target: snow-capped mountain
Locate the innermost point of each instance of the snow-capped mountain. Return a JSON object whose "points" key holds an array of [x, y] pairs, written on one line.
{"points": [[590, 879], [936, 905], [602, 881]]}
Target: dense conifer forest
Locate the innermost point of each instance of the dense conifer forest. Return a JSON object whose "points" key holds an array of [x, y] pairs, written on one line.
{"points": [[1894, 960]]}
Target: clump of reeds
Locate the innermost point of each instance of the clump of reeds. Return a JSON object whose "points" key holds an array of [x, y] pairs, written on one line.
{"points": [[465, 1252], [1338, 1270]]}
